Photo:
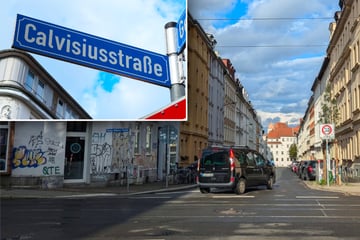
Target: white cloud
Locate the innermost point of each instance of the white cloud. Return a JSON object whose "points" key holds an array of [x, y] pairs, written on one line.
{"points": [[274, 58]]}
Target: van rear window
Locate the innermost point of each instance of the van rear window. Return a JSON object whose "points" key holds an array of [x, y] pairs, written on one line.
{"points": [[218, 158]]}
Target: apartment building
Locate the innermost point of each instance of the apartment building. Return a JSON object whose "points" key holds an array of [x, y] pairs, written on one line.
{"points": [[279, 139], [344, 79], [28, 91], [194, 132], [340, 72]]}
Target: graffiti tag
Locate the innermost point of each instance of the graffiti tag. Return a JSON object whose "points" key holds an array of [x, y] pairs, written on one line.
{"points": [[23, 157]]}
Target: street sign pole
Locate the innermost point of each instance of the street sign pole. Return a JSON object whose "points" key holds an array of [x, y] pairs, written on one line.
{"points": [[177, 89], [327, 162]]}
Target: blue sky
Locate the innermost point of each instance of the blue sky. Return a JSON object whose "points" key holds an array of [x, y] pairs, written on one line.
{"points": [[277, 77], [138, 23]]}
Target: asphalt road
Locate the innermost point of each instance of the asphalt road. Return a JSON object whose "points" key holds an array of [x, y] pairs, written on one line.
{"points": [[289, 211]]}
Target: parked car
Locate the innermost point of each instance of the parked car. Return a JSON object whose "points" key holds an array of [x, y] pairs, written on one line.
{"points": [[234, 167], [294, 166], [309, 172], [301, 168]]}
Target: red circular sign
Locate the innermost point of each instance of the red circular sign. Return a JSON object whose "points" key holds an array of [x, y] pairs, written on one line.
{"points": [[326, 129]]}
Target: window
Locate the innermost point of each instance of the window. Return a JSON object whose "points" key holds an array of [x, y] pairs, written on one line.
{"points": [[60, 109], [148, 139], [40, 90], [137, 139], [250, 159], [260, 161], [76, 126], [4, 129], [29, 81]]}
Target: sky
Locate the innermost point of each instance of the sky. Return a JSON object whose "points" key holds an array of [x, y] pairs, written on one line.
{"points": [[138, 23], [276, 47]]}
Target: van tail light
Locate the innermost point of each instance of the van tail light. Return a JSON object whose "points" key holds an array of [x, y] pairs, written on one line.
{"points": [[232, 162]]}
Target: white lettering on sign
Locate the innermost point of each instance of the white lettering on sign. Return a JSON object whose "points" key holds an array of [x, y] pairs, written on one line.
{"points": [[49, 39]]}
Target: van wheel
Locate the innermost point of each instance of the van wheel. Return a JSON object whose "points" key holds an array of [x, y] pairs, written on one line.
{"points": [[270, 182], [204, 190], [240, 186]]}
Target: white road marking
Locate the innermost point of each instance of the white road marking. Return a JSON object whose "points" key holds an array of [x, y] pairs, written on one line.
{"points": [[88, 195], [316, 197], [233, 196]]}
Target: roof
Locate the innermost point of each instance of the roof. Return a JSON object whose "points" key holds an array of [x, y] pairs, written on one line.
{"points": [[280, 129]]}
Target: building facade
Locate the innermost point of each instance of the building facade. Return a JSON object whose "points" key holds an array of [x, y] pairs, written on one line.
{"points": [[51, 154], [216, 99], [279, 139], [344, 79], [230, 99], [341, 74], [28, 91], [194, 132]]}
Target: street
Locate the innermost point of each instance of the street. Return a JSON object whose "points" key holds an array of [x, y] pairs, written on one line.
{"points": [[289, 211]]}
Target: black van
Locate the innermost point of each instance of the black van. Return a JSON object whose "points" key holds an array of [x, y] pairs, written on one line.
{"points": [[234, 167]]}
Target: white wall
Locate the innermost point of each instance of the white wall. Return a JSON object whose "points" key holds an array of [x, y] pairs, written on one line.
{"points": [[39, 149]]}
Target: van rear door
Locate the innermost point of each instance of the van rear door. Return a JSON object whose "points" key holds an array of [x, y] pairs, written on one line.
{"points": [[215, 167]]}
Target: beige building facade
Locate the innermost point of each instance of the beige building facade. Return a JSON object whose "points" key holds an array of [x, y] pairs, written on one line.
{"points": [[344, 53], [194, 132], [340, 71]]}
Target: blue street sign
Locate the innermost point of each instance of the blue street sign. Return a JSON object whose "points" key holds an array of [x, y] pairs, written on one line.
{"points": [[81, 48], [117, 130], [181, 25]]}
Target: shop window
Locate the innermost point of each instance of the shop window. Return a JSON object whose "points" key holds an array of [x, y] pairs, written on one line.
{"points": [[4, 131]]}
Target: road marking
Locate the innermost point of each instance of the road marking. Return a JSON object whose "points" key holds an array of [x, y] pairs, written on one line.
{"points": [[234, 196], [150, 197], [88, 195], [316, 197]]}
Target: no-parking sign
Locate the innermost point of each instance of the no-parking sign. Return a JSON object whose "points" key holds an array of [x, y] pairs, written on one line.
{"points": [[327, 131]]}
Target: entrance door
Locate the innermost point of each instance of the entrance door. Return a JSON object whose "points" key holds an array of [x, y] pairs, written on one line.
{"points": [[74, 158]]}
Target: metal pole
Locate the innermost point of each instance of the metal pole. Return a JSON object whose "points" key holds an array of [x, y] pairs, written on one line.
{"points": [[167, 156], [177, 89], [327, 162]]}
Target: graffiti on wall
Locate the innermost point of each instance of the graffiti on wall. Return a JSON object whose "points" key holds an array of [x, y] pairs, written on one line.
{"points": [[100, 154], [38, 152], [123, 154], [23, 157], [110, 158]]}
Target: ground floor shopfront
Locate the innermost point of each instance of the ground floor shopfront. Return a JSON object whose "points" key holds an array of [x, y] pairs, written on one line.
{"points": [[50, 154]]}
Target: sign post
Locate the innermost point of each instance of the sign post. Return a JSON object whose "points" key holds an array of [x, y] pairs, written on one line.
{"points": [[327, 132], [177, 89]]}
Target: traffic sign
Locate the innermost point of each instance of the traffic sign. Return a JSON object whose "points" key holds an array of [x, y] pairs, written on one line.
{"points": [[117, 130], [181, 26], [91, 51], [175, 111], [327, 131]]}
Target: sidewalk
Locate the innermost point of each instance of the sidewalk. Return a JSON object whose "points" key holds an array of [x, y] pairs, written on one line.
{"points": [[346, 188], [89, 191]]}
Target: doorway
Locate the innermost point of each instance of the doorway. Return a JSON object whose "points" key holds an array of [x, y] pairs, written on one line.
{"points": [[74, 158]]}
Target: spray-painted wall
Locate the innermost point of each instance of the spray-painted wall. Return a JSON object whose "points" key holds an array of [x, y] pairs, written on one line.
{"points": [[39, 150], [117, 150]]}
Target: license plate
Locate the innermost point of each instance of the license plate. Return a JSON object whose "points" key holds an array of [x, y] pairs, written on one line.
{"points": [[207, 174]]}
